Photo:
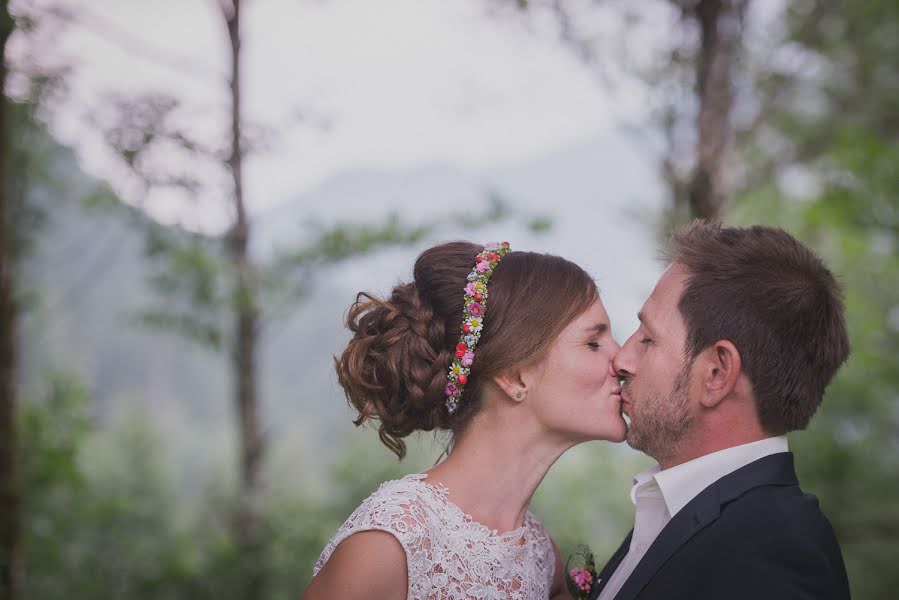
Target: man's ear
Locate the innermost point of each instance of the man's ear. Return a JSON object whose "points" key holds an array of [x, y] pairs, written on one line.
{"points": [[722, 367], [512, 385]]}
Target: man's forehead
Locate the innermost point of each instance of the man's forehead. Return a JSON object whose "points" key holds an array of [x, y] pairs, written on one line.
{"points": [[665, 295], [669, 286]]}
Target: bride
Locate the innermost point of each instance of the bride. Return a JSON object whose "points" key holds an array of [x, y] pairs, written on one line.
{"points": [[509, 352]]}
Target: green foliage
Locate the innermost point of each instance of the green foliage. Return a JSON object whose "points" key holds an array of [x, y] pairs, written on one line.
{"points": [[345, 240], [540, 224], [79, 532], [189, 271], [103, 519], [187, 325]]}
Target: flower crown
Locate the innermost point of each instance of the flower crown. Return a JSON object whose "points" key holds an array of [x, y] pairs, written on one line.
{"points": [[472, 321]]}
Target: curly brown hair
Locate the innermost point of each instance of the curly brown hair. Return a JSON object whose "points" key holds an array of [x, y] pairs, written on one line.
{"points": [[394, 368]]}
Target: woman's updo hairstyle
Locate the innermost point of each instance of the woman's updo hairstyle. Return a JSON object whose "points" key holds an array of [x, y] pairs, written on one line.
{"points": [[394, 369]]}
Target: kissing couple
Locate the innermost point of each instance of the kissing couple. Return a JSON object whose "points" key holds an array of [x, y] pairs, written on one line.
{"points": [[512, 353]]}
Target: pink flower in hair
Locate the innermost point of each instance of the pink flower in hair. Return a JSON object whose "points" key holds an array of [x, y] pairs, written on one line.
{"points": [[467, 359], [470, 289]]}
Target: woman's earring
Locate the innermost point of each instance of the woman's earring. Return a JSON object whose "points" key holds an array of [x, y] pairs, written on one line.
{"points": [[518, 395]]}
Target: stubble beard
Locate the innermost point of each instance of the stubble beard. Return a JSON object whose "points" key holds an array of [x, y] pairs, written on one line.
{"points": [[660, 427]]}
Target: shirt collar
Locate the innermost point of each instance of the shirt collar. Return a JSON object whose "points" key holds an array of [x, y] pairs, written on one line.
{"points": [[643, 477], [684, 482]]}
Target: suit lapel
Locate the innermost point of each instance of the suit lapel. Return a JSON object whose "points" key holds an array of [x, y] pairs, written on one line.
{"points": [[604, 575], [704, 509]]}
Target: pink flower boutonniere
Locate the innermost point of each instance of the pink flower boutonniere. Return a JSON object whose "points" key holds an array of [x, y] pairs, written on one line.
{"points": [[581, 579]]}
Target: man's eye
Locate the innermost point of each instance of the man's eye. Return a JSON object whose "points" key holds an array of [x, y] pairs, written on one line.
{"points": [[646, 340]]}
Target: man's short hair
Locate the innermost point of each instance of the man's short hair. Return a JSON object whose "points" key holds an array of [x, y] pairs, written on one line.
{"points": [[776, 301]]}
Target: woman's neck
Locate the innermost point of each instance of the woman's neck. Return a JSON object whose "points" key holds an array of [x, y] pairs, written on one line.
{"points": [[495, 467]]}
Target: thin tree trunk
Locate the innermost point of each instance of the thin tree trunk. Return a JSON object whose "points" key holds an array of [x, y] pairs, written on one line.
{"points": [[248, 527], [721, 27], [11, 560]]}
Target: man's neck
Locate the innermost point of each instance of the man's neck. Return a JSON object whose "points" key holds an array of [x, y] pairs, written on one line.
{"points": [[705, 447]]}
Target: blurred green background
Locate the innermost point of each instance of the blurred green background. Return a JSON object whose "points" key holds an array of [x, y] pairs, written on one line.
{"points": [[171, 427]]}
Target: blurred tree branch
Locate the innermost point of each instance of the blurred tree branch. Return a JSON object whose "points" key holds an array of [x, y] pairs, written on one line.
{"points": [[699, 132]]}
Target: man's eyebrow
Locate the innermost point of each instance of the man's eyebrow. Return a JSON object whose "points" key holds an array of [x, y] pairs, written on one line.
{"points": [[642, 316]]}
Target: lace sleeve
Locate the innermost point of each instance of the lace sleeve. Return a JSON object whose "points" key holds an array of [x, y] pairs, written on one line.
{"points": [[391, 511], [543, 554]]}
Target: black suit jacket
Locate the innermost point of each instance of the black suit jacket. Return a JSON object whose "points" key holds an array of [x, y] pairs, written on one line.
{"points": [[752, 534]]}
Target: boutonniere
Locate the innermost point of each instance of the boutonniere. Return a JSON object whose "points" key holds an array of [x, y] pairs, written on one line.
{"points": [[581, 579]]}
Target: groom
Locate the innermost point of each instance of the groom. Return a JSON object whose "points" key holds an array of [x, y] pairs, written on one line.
{"points": [[736, 344]]}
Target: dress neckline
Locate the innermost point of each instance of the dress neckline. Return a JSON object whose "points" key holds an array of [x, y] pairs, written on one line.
{"points": [[513, 537]]}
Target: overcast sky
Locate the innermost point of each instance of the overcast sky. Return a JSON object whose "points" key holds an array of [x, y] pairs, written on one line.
{"points": [[338, 84]]}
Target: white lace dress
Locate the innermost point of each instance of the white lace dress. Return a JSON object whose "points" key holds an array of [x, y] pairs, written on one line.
{"points": [[448, 555]]}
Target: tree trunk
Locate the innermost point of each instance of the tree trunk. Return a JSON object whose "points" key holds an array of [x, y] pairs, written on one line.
{"points": [[248, 526], [11, 560], [721, 27]]}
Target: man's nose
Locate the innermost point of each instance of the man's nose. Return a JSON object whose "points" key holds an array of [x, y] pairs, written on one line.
{"points": [[620, 363], [616, 348]]}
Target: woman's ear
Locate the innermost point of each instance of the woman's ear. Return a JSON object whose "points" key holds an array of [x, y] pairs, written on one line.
{"points": [[512, 385]]}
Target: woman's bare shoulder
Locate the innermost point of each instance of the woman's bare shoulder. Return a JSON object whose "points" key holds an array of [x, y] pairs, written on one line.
{"points": [[366, 565]]}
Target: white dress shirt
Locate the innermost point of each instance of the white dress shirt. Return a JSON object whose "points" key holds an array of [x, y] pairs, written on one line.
{"points": [[659, 495]]}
